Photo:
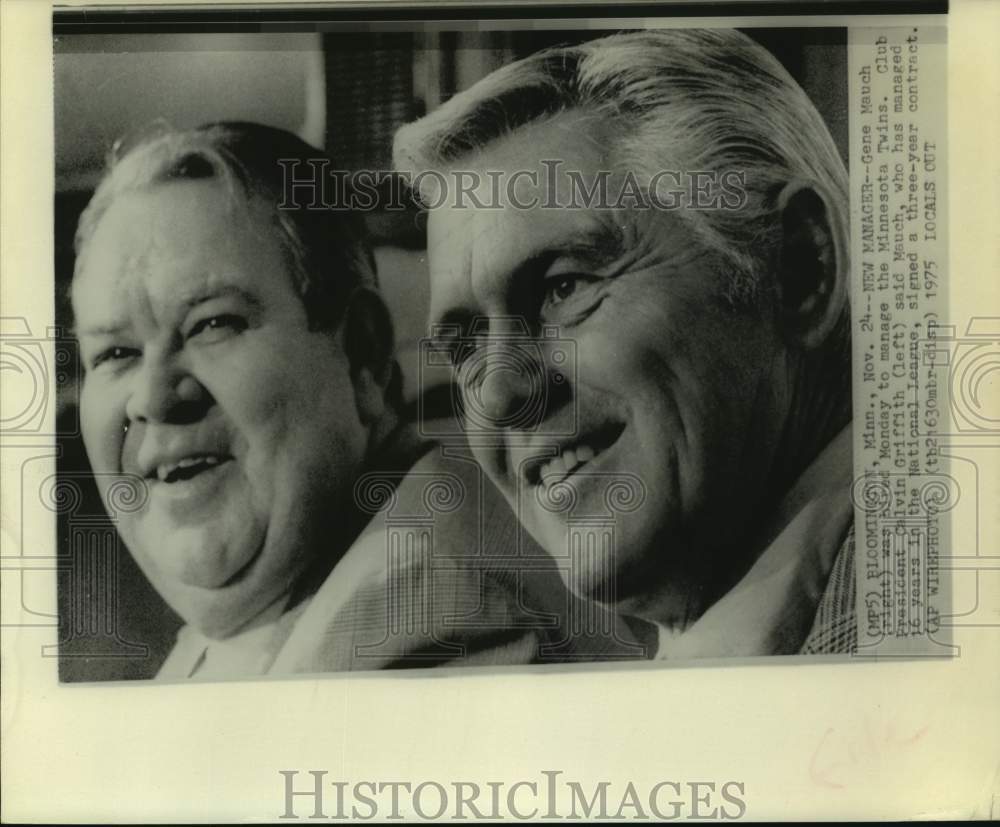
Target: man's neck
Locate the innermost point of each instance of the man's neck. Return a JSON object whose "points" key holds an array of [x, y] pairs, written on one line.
{"points": [[819, 409], [771, 597]]}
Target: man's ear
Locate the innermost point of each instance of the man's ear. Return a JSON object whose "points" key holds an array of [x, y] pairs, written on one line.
{"points": [[370, 347], [812, 270]]}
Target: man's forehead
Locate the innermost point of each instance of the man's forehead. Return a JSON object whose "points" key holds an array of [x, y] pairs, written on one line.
{"points": [[574, 136], [171, 242], [174, 210]]}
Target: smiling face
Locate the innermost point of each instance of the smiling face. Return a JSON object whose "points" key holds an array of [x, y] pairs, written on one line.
{"points": [[204, 379], [671, 387]]}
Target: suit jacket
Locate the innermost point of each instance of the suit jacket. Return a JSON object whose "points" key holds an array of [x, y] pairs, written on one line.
{"points": [[444, 575]]}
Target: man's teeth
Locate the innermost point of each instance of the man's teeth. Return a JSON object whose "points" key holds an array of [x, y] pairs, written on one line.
{"points": [[164, 471], [558, 468]]}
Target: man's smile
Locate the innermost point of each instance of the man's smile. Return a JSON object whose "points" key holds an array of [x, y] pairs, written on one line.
{"points": [[192, 484], [187, 468], [571, 456]]}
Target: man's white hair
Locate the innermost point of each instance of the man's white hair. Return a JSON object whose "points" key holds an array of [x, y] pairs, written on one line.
{"points": [[689, 100]]}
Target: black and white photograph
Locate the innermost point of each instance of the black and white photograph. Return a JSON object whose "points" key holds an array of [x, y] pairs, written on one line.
{"points": [[416, 380], [453, 349]]}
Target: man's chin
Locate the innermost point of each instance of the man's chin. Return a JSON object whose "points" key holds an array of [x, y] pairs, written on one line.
{"points": [[201, 572], [604, 562], [194, 557], [216, 600], [217, 613]]}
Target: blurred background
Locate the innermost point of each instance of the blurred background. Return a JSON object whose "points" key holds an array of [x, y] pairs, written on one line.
{"points": [[346, 92]]}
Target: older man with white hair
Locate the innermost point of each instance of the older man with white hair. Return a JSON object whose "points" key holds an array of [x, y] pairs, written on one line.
{"points": [[709, 323]]}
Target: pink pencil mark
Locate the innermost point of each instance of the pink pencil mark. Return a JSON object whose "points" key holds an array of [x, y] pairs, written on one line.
{"points": [[840, 753]]}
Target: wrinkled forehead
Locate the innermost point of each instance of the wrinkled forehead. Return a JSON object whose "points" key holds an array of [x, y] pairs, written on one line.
{"points": [[573, 135], [572, 139]]}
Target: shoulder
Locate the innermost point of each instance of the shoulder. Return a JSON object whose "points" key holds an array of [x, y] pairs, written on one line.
{"points": [[444, 575], [386, 606], [835, 626]]}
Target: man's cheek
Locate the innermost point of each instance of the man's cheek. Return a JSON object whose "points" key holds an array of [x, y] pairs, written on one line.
{"points": [[140, 533], [260, 475], [102, 438], [596, 354], [609, 363]]}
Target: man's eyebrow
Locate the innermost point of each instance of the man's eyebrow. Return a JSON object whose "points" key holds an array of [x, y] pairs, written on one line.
{"points": [[596, 246], [194, 298], [107, 329], [186, 303]]}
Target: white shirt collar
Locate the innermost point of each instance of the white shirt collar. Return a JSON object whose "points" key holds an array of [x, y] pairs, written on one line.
{"points": [[244, 654]]}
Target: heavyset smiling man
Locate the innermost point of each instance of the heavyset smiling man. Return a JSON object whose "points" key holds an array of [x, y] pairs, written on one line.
{"points": [[239, 364], [712, 346]]}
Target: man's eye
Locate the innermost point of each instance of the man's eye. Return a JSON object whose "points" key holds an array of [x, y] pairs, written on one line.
{"points": [[112, 355], [216, 328], [560, 288], [564, 288]]}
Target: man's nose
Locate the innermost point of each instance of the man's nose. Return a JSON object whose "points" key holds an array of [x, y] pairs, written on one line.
{"points": [[507, 386], [164, 391]]}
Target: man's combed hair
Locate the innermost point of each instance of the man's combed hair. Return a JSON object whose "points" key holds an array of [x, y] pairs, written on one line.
{"points": [[327, 249], [686, 100]]}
